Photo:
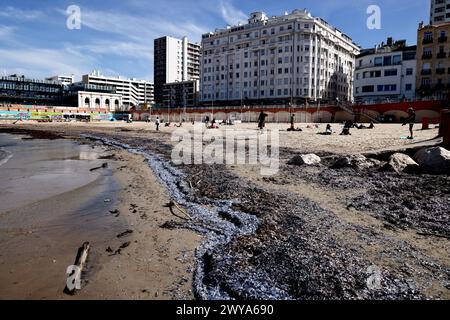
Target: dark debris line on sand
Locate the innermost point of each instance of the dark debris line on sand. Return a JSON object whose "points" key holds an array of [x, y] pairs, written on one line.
{"points": [[208, 216], [266, 244], [33, 134]]}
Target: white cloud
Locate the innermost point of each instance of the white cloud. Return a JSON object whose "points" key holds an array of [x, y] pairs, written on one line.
{"points": [[117, 48], [44, 62], [230, 14], [20, 15], [6, 33], [142, 29]]}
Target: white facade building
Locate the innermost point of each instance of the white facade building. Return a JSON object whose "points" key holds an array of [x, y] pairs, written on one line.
{"points": [[289, 58], [175, 60], [65, 80], [440, 11], [386, 73], [96, 101], [134, 92]]}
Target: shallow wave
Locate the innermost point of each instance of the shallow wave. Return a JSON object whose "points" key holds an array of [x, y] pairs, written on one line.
{"points": [[5, 155]]}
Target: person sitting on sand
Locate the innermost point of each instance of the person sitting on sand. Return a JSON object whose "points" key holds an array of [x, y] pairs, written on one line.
{"points": [[214, 124], [347, 126], [411, 120], [328, 131]]}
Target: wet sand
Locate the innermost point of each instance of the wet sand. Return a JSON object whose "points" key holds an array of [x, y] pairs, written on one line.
{"points": [[50, 203]]}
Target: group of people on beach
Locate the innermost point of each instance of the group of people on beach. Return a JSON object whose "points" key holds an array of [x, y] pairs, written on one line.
{"points": [[411, 120]]}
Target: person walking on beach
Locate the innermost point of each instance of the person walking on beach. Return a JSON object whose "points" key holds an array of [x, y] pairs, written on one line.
{"points": [[262, 120], [157, 122], [292, 122], [411, 120]]}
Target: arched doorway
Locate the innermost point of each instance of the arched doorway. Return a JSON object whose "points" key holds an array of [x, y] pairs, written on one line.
{"points": [[116, 105], [97, 103], [107, 103], [87, 102]]}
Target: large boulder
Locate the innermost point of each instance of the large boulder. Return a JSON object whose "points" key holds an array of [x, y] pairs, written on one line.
{"points": [[357, 161], [400, 162], [305, 159], [434, 160]]}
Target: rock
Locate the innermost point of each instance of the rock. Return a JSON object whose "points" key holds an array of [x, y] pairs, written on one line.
{"points": [[355, 161], [305, 159], [433, 160], [400, 162]]}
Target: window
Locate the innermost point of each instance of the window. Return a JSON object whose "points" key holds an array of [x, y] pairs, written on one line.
{"points": [[368, 89], [408, 87], [409, 71], [390, 87], [378, 61], [387, 61], [397, 59], [390, 72]]}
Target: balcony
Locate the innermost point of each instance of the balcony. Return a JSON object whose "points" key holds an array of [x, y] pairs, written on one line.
{"points": [[442, 55], [427, 40], [442, 39], [427, 56], [426, 72], [440, 71]]}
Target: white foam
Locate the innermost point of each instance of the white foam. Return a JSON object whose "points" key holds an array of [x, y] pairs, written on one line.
{"points": [[4, 159]]}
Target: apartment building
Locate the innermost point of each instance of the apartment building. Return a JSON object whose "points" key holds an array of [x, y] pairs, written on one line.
{"points": [[175, 60], [135, 93], [386, 73], [277, 60], [183, 94], [433, 61], [439, 11], [65, 80]]}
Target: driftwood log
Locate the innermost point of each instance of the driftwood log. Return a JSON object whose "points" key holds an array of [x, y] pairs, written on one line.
{"points": [[171, 205], [80, 263]]}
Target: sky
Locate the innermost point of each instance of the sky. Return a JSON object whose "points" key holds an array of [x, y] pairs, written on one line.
{"points": [[116, 36]]}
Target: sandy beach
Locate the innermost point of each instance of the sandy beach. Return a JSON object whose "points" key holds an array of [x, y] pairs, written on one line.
{"points": [[304, 233], [50, 203]]}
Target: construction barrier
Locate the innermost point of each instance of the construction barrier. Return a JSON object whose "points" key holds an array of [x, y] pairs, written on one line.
{"points": [[425, 123]]}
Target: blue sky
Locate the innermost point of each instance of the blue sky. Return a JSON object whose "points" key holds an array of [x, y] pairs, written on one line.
{"points": [[116, 36]]}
